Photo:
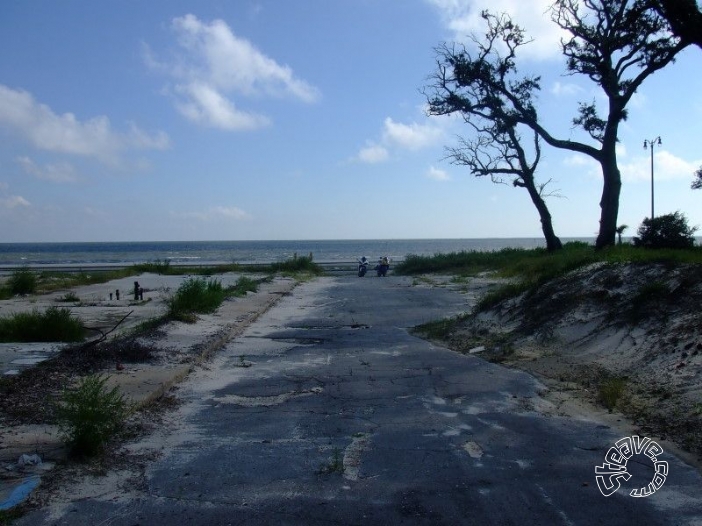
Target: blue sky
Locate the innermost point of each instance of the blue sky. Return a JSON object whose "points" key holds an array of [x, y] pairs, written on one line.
{"points": [[276, 119]]}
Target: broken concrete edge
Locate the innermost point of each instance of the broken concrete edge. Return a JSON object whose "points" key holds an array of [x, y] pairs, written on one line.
{"points": [[210, 348]]}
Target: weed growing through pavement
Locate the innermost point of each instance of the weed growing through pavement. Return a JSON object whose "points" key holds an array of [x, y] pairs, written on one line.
{"points": [[335, 465], [90, 415]]}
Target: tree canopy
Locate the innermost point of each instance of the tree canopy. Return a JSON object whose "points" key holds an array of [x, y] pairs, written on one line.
{"points": [[617, 44]]}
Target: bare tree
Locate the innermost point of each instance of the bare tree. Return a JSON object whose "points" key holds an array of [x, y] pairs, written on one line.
{"points": [[498, 152], [616, 43]]}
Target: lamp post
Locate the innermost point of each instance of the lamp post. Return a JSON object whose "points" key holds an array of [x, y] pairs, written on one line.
{"points": [[652, 143]]}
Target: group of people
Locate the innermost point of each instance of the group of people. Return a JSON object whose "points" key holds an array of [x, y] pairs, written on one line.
{"points": [[381, 268]]}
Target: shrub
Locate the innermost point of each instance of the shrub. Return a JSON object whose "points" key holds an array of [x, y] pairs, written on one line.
{"points": [[23, 281], [610, 391], [666, 231], [195, 295], [54, 325], [90, 415]]}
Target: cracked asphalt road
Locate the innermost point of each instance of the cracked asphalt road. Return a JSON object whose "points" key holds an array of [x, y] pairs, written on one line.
{"points": [[327, 411]]}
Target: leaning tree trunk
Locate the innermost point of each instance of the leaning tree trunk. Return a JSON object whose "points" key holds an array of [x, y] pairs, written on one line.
{"points": [[609, 204], [553, 243]]}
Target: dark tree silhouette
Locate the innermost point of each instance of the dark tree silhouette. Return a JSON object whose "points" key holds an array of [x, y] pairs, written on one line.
{"points": [[497, 151], [697, 181], [684, 17], [616, 43]]}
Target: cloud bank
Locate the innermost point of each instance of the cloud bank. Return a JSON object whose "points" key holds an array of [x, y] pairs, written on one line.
{"points": [[214, 65], [66, 134]]}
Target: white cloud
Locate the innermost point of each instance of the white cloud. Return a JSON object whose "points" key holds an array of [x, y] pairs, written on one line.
{"points": [[208, 107], [437, 174], [215, 63], [48, 131], [666, 167], [462, 17], [373, 154], [413, 136], [13, 201], [216, 212], [567, 89], [58, 173]]}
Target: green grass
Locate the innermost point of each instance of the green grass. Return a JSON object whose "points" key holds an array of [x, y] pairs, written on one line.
{"points": [[196, 296], [22, 281], [335, 464], [500, 294], [440, 329], [25, 281], [297, 264], [610, 391], [243, 285], [69, 297], [53, 325], [532, 267]]}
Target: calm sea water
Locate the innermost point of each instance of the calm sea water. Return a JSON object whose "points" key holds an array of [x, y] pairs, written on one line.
{"points": [[207, 252]]}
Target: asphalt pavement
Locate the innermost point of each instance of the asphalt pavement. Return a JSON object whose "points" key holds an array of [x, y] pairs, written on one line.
{"points": [[326, 410]]}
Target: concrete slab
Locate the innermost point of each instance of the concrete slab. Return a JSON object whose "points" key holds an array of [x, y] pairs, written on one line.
{"points": [[187, 346]]}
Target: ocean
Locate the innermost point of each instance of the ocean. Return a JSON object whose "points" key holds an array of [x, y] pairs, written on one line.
{"points": [[215, 252]]}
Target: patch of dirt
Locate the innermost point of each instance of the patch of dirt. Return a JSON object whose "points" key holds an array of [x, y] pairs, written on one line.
{"points": [[638, 325], [30, 397]]}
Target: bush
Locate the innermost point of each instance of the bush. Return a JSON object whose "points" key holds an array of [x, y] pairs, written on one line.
{"points": [[54, 325], [23, 281], [195, 295], [90, 415], [666, 231], [610, 391]]}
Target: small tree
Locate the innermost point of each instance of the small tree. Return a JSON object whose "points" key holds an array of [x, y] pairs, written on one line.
{"points": [[666, 231], [620, 231]]}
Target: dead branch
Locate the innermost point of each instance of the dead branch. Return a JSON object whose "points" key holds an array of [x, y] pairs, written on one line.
{"points": [[103, 334]]}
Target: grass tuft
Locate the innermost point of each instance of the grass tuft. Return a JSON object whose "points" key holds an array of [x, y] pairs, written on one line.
{"points": [[610, 391], [243, 285], [196, 296], [53, 325]]}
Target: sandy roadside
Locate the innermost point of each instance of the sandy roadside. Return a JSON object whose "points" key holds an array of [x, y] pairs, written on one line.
{"points": [[635, 326], [175, 349]]}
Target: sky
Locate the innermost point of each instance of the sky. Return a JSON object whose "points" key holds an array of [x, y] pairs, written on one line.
{"points": [[306, 119]]}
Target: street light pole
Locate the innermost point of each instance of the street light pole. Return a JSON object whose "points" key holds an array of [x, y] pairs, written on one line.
{"points": [[652, 143]]}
